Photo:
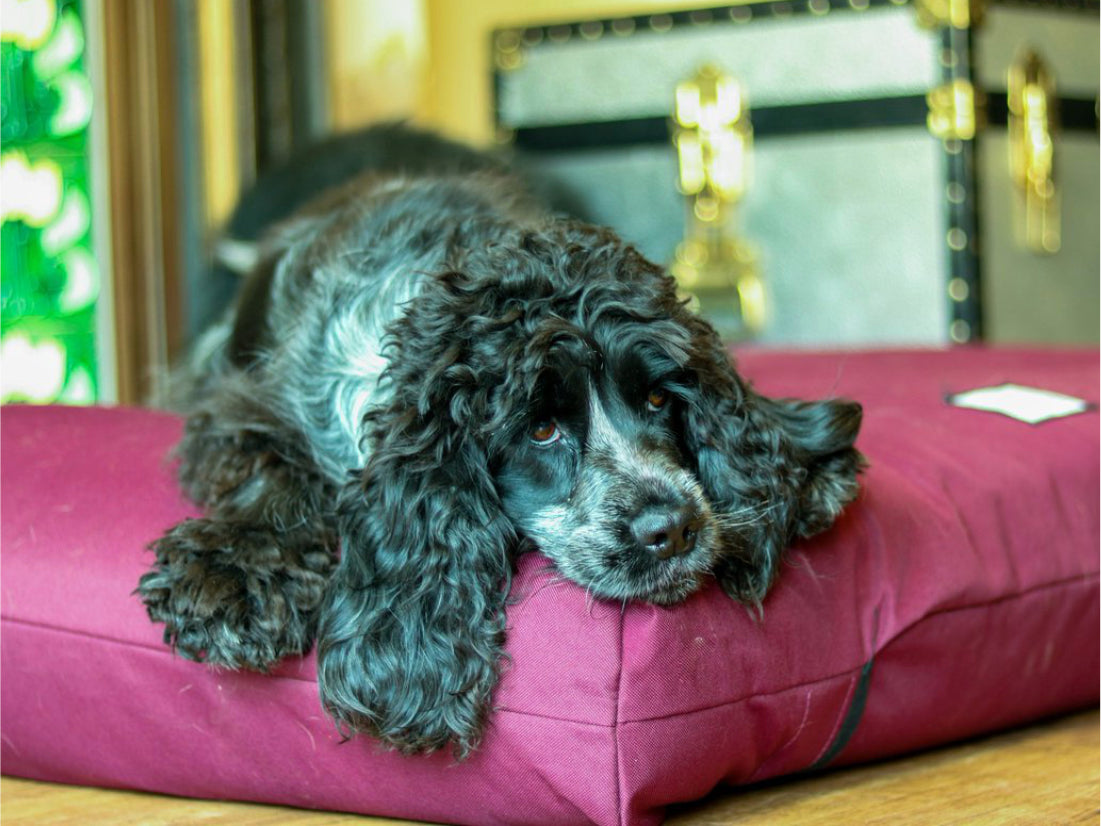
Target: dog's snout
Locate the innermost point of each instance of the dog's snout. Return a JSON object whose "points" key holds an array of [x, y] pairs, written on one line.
{"points": [[666, 532]]}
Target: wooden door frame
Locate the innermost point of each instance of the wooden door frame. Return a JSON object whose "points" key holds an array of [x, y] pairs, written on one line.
{"points": [[140, 100]]}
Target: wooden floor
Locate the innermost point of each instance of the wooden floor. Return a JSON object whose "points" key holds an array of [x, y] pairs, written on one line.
{"points": [[1046, 774]]}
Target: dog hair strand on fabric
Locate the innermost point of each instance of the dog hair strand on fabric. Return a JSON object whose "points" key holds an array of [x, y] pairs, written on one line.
{"points": [[427, 373]]}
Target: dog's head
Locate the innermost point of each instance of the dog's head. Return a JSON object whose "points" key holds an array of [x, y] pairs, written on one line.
{"points": [[597, 472], [607, 421]]}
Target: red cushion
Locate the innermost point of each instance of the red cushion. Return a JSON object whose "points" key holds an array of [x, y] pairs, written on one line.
{"points": [[958, 595]]}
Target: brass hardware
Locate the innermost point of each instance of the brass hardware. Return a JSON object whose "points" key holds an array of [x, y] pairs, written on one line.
{"points": [[559, 34], [954, 14], [959, 331], [720, 278], [593, 30], [713, 137], [623, 27], [954, 110], [661, 23], [508, 53], [957, 239], [1032, 122]]}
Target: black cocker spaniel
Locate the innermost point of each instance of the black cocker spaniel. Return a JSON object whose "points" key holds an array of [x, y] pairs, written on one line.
{"points": [[427, 373]]}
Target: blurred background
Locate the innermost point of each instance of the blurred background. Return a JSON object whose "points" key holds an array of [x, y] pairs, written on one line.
{"points": [[790, 161]]}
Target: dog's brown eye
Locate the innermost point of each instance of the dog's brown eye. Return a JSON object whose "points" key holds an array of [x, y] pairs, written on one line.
{"points": [[657, 399], [546, 433]]}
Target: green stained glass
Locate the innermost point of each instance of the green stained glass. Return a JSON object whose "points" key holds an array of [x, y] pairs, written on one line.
{"points": [[49, 279]]}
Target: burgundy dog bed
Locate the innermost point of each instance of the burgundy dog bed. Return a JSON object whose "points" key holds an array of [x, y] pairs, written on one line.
{"points": [[957, 596]]}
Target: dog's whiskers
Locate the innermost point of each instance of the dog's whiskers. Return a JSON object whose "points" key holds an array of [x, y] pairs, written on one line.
{"points": [[742, 517]]}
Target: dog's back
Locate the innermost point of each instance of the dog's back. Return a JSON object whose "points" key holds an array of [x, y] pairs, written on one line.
{"points": [[392, 148], [388, 148]]}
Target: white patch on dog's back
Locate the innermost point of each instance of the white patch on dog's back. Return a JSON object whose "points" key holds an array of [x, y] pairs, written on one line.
{"points": [[357, 333], [347, 347], [344, 276]]}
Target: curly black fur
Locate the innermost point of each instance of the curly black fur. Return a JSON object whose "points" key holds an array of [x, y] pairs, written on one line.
{"points": [[436, 374]]}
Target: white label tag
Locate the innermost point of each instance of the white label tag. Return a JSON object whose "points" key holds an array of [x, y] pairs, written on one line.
{"points": [[1026, 404]]}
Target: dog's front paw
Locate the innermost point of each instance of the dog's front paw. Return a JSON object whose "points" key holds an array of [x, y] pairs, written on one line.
{"points": [[234, 595]]}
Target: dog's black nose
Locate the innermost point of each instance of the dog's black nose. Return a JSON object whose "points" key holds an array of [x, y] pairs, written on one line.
{"points": [[666, 532]]}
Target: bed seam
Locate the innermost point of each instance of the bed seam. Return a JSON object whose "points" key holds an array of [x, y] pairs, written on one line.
{"points": [[621, 815]]}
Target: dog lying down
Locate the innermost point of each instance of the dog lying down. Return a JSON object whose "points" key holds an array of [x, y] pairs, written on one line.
{"points": [[428, 373]]}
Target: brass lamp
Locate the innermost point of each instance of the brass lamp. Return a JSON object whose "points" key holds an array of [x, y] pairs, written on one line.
{"points": [[716, 268]]}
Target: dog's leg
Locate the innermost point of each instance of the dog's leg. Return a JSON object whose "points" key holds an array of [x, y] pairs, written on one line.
{"points": [[240, 588]]}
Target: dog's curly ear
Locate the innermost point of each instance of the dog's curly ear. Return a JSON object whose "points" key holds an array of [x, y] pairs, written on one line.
{"points": [[412, 628], [773, 469]]}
